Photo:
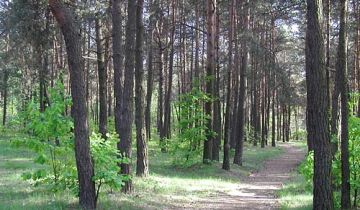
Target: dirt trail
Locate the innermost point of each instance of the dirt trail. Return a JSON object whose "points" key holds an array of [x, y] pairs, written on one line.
{"points": [[258, 191]]}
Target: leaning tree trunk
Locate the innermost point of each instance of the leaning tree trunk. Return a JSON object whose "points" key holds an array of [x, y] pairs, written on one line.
{"points": [[70, 30], [317, 116]]}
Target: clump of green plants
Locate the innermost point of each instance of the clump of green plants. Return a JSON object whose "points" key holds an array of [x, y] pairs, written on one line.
{"points": [[186, 148], [299, 135], [49, 134], [307, 167]]}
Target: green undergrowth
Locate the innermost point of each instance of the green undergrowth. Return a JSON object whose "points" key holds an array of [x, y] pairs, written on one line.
{"points": [[167, 186]]}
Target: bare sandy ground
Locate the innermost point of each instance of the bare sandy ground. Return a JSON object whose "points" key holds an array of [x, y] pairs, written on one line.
{"points": [[258, 191]]}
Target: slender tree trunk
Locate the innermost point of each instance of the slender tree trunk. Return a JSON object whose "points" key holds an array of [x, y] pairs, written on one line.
{"points": [[211, 34], [141, 143], [273, 127], [242, 99], [217, 104], [70, 30], [227, 128], [127, 107], [167, 102], [341, 66], [117, 61], [102, 76], [318, 107], [150, 80], [5, 95]]}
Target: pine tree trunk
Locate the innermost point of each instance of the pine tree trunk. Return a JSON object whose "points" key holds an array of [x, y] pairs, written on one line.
{"points": [[227, 127], [127, 107], [317, 106], [84, 164], [141, 142], [117, 61], [341, 67], [210, 67], [5, 95], [102, 76], [241, 100]]}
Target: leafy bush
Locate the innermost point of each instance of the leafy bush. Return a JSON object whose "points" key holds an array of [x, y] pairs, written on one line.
{"points": [[186, 148], [50, 136], [300, 135], [106, 160], [307, 167]]}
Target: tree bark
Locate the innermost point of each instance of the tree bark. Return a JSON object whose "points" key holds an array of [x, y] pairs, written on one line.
{"points": [[341, 67], [150, 79], [127, 107], [227, 128], [70, 30], [117, 61], [102, 76], [5, 95], [317, 105], [141, 142], [210, 68], [240, 114]]}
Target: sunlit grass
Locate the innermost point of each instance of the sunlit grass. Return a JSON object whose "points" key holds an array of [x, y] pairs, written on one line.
{"points": [[166, 186], [296, 193]]}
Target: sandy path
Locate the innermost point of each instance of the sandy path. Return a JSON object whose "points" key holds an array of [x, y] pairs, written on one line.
{"points": [[258, 191]]}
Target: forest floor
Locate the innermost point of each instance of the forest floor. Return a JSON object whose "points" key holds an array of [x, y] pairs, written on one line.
{"points": [[259, 190], [252, 186]]}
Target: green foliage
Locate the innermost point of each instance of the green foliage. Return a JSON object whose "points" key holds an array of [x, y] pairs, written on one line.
{"points": [[52, 139], [186, 148], [354, 148], [250, 134], [300, 135], [307, 167], [106, 159]]}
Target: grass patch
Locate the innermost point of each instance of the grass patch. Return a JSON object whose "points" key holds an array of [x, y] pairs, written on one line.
{"points": [[166, 187], [296, 193]]}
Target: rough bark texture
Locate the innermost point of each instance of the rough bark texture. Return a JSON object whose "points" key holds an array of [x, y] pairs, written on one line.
{"points": [[227, 129], [341, 67], [117, 60], [127, 107], [210, 67], [240, 113], [71, 32], [150, 82], [141, 143], [317, 105], [167, 102], [102, 75], [217, 104]]}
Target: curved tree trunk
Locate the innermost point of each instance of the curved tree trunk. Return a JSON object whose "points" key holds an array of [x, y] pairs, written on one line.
{"points": [[70, 30]]}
